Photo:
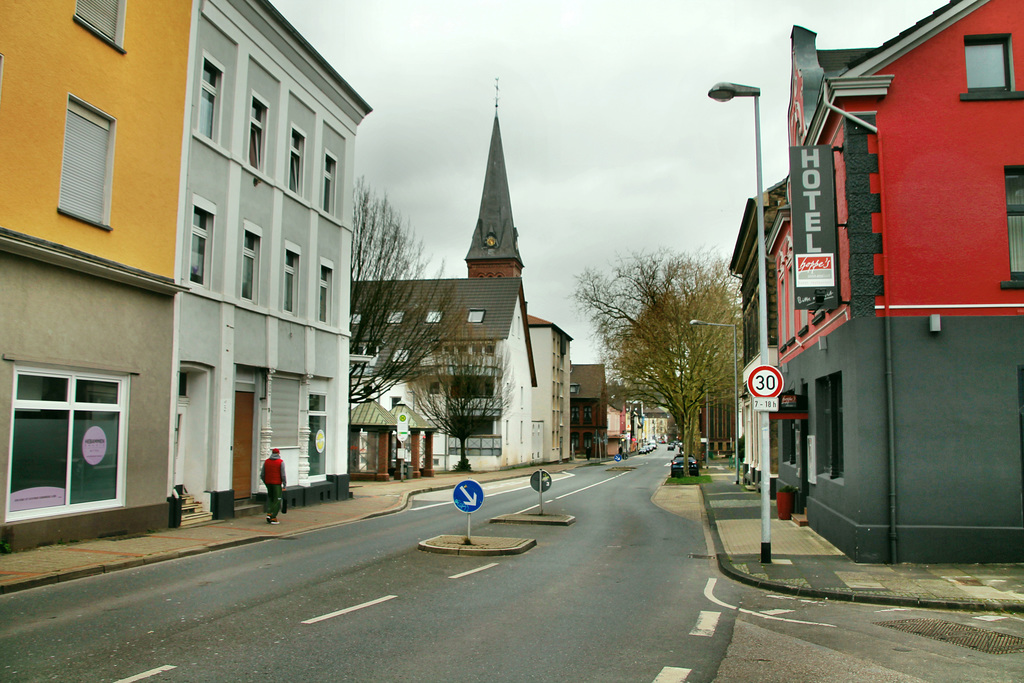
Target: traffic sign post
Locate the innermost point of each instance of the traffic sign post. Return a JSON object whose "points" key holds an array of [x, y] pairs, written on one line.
{"points": [[402, 421], [541, 482], [468, 497]]}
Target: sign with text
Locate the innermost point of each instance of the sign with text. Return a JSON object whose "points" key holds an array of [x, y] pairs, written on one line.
{"points": [[814, 227]]}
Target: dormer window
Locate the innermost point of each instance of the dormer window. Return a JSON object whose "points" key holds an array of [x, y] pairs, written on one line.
{"points": [[434, 317], [395, 317], [574, 388], [476, 316]]}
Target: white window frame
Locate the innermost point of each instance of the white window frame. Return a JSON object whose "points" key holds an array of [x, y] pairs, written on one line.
{"points": [[476, 315], [326, 290], [262, 128], [329, 182], [212, 91], [296, 160], [204, 233], [85, 177], [105, 18], [290, 282], [251, 255], [433, 317], [71, 405]]}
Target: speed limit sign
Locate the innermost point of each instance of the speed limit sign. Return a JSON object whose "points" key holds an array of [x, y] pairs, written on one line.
{"points": [[765, 381]]}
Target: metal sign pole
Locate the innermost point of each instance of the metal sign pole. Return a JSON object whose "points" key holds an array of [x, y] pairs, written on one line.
{"points": [[540, 492], [469, 538]]}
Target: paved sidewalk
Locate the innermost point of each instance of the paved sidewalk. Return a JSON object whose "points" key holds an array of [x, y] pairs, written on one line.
{"points": [[803, 563], [65, 562]]}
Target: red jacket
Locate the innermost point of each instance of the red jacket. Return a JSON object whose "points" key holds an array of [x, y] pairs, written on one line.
{"points": [[273, 471]]}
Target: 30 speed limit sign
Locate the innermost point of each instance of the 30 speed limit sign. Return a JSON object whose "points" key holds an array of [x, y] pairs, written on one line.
{"points": [[765, 385]]}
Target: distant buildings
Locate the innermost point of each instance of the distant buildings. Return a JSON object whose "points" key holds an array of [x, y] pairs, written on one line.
{"points": [[588, 410]]}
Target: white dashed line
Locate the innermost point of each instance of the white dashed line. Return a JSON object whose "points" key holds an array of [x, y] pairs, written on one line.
{"points": [[147, 674], [709, 593], [350, 609], [707, 622], [672, 674], [474, 571]]}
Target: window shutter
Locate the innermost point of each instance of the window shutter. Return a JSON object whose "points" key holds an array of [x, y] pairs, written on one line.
{"points": [[84, 170], [284, 412], [101, 15]]}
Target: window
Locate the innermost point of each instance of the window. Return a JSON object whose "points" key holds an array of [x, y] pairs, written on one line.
{"points": [[317, 434], [1015, 220], [476, 316], [67, 442], [395, 317], [250, 265], [588, 414], [829, 424], [290, 291], [574, 388], [210, 89], [257, 128], [86, 168], [326, 276], [400, 356], [284, 412], [434, 317], [330, 168], [574, 414], [355, 319], [295, 162], [102, 17], [988, 62], [202, 228]]}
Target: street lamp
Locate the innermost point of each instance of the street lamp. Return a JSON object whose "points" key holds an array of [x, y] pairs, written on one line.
{"points": [[723, 92], [735, 390]]}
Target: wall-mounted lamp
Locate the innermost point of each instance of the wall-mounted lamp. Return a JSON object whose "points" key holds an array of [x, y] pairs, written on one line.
{"points": [[935, 323], [823, 343]]}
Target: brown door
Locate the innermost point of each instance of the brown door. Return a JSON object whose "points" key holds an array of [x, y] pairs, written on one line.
{"points": [[242, 465]]}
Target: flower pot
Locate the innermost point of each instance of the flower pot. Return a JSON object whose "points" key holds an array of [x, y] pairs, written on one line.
{"points": [[784, 503]]}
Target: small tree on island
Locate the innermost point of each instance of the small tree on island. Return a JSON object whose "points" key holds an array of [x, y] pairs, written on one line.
{"points": [[464, 389]]}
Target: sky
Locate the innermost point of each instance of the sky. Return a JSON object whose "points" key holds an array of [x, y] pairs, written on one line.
{"points": [[611, 144]]}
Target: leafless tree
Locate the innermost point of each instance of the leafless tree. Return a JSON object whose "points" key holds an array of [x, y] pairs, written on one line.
{"points": [[397, 319], [465, 389], [640, 310]]}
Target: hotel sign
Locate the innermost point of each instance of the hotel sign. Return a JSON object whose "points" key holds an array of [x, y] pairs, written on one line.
{"points": [[813, 204]]}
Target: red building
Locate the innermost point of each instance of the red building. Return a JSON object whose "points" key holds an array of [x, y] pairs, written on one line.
{"points": [[900, 274], [588, 412]]}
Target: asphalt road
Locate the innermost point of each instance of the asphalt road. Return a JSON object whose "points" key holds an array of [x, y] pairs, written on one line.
{"points": [[612, 598]]}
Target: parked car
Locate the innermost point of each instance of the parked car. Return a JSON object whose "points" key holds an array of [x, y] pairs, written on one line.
{"points": [[672, 446], [679, 466]]}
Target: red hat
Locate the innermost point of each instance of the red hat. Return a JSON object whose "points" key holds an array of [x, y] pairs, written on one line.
{"points": [[276, 450]]}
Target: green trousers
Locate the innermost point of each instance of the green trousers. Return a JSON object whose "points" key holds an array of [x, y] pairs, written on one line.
{"points": [[273, 500]]}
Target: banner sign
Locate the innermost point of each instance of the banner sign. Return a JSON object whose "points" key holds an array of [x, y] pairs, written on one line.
{"points": [[814, 227]]}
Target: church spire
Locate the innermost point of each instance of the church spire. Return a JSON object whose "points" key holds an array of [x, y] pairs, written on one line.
{"points": [[494, 251]]}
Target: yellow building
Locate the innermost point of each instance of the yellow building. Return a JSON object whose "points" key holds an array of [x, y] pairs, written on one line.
{"points": [[92, 108]]}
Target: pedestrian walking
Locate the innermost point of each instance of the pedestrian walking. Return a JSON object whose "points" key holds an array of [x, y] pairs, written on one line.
{"points": [[273, 475]]}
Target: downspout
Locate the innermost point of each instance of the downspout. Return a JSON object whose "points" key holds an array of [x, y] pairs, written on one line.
{"points": [[889, 391]]}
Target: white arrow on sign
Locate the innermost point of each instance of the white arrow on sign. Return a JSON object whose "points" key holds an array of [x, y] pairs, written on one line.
{"points": [[471, 499]]}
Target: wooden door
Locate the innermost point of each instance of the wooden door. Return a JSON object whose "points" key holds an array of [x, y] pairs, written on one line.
{"points": [[242, 451]]}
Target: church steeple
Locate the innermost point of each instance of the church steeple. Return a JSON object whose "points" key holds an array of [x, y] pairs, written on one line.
{"points": [[494, 251]]}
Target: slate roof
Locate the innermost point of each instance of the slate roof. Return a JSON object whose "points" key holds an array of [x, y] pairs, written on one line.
{"points": [[868, 54], [495, 219], [590, 378]]}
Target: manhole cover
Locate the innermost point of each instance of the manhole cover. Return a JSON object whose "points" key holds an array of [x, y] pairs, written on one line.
{"points": [[991, 642]]}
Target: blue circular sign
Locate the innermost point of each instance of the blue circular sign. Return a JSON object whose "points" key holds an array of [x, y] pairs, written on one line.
{"points": [[468, 495], [618, 458]]}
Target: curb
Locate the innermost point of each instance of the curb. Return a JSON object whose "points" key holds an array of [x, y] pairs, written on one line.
{"points": [[432, 545], [545, 520]]}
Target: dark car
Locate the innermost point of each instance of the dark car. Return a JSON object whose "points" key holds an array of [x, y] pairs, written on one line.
{"points": [[672, 446], [679, 466]]}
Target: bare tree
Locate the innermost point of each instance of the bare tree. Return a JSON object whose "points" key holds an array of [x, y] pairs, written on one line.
{"points": [[640, 311], [398, 320], [464, 390]]}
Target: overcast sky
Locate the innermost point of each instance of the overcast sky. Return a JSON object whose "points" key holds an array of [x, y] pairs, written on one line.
{"points": [[610, 140]]}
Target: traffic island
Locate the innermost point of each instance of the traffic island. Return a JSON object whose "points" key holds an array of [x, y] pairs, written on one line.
{"points": [[553, 520], [479, 545]]}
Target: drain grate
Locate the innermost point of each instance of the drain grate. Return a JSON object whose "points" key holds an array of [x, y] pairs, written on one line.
{"points": [[991, 642]]}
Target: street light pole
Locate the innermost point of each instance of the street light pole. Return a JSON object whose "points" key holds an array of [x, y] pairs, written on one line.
{"points": [[735, 392], [723, 92]]}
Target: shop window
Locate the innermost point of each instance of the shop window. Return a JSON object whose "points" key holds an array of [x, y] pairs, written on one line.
{"points": [[317, 434], [67, 443], [829, 425]]}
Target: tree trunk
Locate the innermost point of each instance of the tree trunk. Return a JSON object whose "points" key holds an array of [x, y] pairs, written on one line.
{"points": [[463, 459]]}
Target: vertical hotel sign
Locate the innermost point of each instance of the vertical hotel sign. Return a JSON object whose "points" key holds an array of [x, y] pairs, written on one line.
{"points": [[814, 227]]}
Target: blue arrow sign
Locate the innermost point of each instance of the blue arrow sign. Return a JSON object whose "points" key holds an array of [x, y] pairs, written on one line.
{"points": [[468, 495]]}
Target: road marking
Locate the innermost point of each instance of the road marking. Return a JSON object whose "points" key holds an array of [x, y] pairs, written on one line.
{"points": [[566, 495], [491, 494], [777, 612], [433, 505], [147, 674], [707, 622], [350, 609], [709, 593], [474, 571], [672, 674]]}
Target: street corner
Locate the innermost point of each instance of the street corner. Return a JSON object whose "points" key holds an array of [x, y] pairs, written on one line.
{"points": [[476, 545]]}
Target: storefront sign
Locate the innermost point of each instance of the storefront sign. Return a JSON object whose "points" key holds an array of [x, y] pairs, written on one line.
{"points": [[814, 227]]}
